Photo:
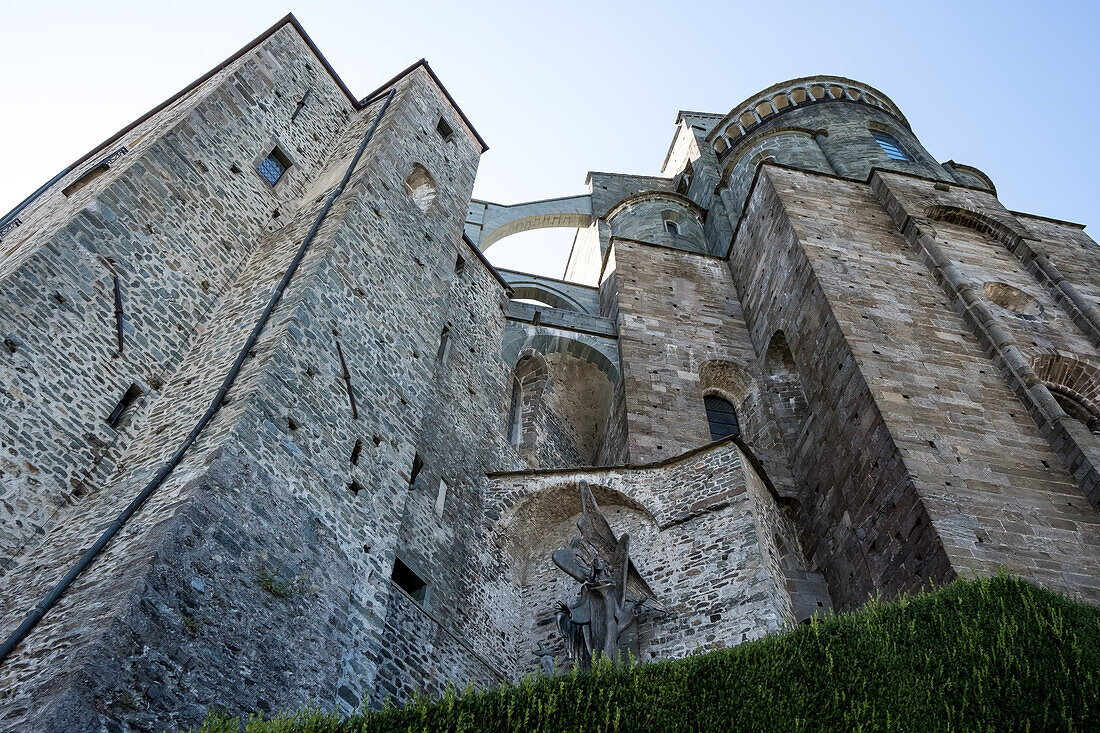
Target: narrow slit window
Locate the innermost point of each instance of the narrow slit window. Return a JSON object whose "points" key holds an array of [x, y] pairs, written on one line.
{"points": [[890, 145], [721, 417], [444, 344], [274, 166], [515, 413], [460, 264], [129, 398], [418, 465], [441, 497], [409, 581]]}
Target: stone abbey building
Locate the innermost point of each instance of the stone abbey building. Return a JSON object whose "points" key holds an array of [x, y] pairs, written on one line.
{"points": [[806, 364]]}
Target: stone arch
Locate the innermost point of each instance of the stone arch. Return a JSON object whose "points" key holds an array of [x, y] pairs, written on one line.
{"points": [[750, 142], [420, 185], [545, 294], [558, 415], [727, 378], [892, 132], [548, 343], [764, 156], [778, 99], [797, 147], [792, 411], [644, 216], [968, 175], [977, 221], [487, 223], [1074, 384], [732, 383], [678, 200], [527, 405], [541, 520], [542, 506]]}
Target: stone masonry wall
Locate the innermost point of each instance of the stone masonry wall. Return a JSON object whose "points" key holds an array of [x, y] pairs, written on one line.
{"points": [[992, 487], [1007, 500], [422, 656], [694, 538], [61, 373], [676, 312], [861, 519], [288, 415]]}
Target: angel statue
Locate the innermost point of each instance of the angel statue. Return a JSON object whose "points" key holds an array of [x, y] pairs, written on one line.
{"points": [[602, 621]]}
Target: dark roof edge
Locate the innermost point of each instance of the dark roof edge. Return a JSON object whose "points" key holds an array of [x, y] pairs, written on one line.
{"points": [[1052, 220], [492, 270], [287, 19], [377, 93]]}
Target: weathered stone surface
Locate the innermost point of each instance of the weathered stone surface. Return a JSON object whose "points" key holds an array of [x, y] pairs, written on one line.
{"points": [[914, 370]]}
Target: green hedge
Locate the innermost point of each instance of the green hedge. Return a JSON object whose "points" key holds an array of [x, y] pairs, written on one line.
{"points": [[989, 655]]}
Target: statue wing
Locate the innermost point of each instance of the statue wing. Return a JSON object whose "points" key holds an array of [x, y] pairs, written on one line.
{"points": [[593, 525], [566, 559], [615, 551]]}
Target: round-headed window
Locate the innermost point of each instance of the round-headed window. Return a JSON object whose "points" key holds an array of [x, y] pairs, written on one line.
{"points": [[721, 417]]}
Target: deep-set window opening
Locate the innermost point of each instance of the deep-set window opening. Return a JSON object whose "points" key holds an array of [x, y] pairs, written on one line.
{"points": [[274, 166]]}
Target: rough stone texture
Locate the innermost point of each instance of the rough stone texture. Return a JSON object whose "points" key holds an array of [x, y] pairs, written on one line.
{"points": [[707, 509], [915, 372]]}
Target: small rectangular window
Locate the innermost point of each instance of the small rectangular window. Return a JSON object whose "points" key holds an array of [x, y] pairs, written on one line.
{"points": [[460, 264], [409, 581], [444, 129], [274, 166]]}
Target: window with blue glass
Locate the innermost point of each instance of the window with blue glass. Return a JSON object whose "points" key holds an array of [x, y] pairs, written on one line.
{"points": [[890, 145], [721, 417], [274, 166]]}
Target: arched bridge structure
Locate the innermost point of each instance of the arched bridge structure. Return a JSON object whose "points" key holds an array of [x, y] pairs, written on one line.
{"points": [[488, 223]]}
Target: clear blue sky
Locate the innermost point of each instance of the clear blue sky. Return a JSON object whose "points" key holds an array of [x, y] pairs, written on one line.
{"points": [[558, 89]]}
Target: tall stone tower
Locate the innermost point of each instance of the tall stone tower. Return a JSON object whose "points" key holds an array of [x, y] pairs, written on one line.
{"points": [[273, 429]]}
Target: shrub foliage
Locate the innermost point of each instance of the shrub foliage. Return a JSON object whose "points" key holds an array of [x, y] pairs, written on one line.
{"points": [[988, 655]]}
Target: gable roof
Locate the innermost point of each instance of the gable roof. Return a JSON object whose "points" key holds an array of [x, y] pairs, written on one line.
{"points": [[287, 19]]}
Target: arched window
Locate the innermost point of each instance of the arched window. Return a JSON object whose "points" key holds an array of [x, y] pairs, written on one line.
{"points": [[890, 145], [1075, 407], [421, 186], [515, 413], [721, 417], [671, 227]]}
